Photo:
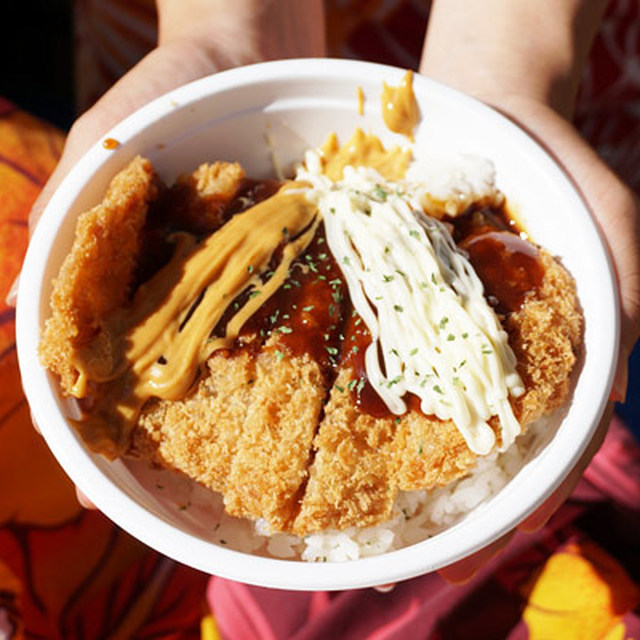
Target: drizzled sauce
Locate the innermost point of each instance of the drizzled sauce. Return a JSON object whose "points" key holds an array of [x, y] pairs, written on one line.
{"points": [[400, 107], [181, 210], [508, 266], [356, 343], [306, 314], [312, 314]]}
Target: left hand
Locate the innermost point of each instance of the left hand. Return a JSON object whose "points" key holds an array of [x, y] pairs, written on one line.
{"points": [[533, 79]]}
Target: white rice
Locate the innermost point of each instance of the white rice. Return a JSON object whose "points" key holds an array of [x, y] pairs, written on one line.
{"points": [[417, 515]]}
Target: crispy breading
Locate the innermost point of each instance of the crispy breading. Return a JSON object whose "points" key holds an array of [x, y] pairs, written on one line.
{"points": [[357, 462], [199, 434], [361, 462], [260, 425], [350, 480], [273, 453], [96, 276], [545, 335], [199, 199]]}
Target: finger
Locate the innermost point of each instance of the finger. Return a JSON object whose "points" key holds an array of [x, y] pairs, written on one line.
{"points": [[35, 424], [12, 296], [83, 500], [463, 570], [621, 378]]}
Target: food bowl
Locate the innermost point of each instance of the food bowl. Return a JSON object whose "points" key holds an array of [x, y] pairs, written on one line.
{"points": [[264, 116]]}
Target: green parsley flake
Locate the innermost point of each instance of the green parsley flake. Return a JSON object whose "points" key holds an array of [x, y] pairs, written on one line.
{"points": [[380, 193], [395, 380]]}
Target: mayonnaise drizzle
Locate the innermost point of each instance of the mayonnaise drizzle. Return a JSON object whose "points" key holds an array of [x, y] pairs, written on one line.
{"points": [[433, 333]]}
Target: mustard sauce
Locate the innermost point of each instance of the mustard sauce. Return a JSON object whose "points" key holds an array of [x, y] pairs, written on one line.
{"points": [[172, 316], [364, 150], [400, 107]]}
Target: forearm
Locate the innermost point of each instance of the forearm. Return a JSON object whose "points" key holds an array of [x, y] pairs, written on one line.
{"points": [[533, 50], [244, 31], [200, 37]]}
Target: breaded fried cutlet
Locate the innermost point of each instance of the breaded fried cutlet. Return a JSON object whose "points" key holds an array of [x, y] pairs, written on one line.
{"points": [[277, 428], [96, 276], [361, 462]]}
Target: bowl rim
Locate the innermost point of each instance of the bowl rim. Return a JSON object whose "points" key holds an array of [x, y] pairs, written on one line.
{"points": [[121, 507]]}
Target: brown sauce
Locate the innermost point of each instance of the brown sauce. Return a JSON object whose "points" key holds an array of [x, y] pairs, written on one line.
{"points": [[312, 314], [508, 266], [179, 209], [307, 313], [357, 340]]}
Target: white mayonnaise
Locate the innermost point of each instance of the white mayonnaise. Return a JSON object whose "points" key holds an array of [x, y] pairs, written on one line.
{"points": [[433, 333]]}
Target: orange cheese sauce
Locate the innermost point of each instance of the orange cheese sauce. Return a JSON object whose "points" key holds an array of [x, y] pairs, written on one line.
{"points": [[400, 107]]}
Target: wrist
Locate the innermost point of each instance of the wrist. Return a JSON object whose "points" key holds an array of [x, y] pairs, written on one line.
{"points": [[532, 50]]}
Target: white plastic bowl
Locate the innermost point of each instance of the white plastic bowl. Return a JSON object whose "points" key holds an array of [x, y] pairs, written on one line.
{"points": [[295, 104]]}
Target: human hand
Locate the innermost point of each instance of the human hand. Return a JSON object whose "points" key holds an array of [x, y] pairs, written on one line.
{"points": [[535, 83]]}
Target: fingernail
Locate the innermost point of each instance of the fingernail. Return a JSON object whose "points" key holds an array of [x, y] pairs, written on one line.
{"points": [[35, 424], [385, 588], [12, 296]]}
